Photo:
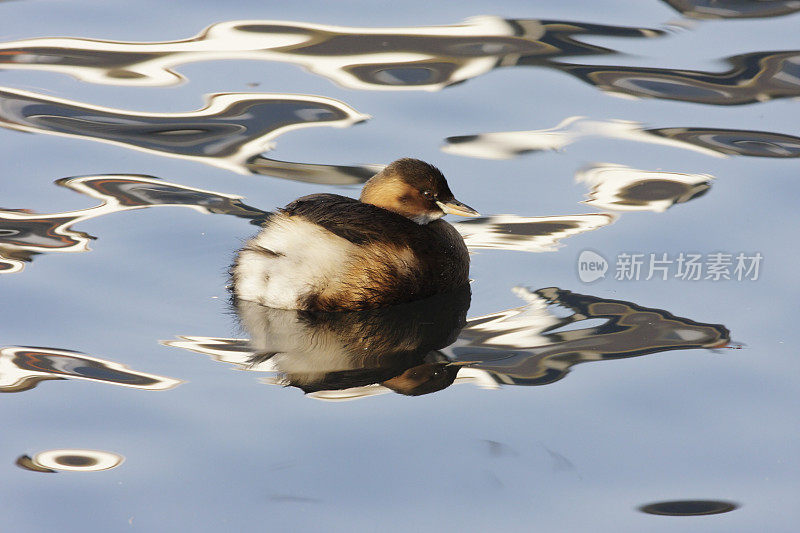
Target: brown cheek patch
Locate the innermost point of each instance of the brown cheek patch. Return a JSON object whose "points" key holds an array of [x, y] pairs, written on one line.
{"points": [[397, 196], [387, 192]]}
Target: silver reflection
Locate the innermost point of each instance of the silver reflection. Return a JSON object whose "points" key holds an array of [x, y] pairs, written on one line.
{"points": [[312, 173], [536, 345], [750, 78], [23, 234], [229, 132], [70, 460], [22, 368], [621, 188], [734, 9], [527, 234], [710, 141], [414, 58]]}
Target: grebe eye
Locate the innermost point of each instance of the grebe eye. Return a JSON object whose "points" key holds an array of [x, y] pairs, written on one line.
{"points": [[427, 194]]}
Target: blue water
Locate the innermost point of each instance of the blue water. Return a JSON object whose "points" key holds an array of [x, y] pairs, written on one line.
{"points": [[582, 403]]}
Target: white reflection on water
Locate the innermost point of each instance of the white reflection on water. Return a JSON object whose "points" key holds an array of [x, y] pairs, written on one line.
{"points": [[622, 188], [24, 234], [734, 9], [750, 78], [649, 421], [71, 460], [527, 234], [226, 133], [22, 368], [717, 142], [414, 58]]}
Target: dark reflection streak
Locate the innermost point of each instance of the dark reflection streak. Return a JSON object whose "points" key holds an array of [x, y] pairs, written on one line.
{"points": [[528, 234], [500, 449], [751, 78], [427, 58], [735, 142], [710, 141], [734, 9], [228, 133], [621, 188], [22, 368], [517, 346], [24, 235], [420, 58], [310, 173], [26, 463], [559, 462]]}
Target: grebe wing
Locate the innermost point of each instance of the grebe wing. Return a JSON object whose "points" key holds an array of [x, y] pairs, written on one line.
{"points": [[352, 219]]}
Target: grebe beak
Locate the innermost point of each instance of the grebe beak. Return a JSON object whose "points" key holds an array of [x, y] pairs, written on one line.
{"points": [[454, 207]]}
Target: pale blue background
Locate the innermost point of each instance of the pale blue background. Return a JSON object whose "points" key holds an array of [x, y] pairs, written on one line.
{"points": [[223, 452]]}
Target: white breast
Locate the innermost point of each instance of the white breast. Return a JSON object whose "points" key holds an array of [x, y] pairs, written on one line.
{"points": [[304, 259]]}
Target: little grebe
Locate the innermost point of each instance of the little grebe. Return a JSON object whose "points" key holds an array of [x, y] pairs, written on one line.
{"points": [[326, 252]]}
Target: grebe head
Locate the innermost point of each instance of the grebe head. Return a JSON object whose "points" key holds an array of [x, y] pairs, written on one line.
{"points": [[414, 189]]}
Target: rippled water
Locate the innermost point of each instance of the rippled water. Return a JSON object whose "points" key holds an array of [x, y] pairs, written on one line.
{"points": [[635, 165]]}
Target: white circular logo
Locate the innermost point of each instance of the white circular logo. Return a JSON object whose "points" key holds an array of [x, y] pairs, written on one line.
{"points": [[591, 266]]}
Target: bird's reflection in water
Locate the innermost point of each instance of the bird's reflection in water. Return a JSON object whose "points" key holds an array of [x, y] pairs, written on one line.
{"points": [[425, 346], [395, 346]]}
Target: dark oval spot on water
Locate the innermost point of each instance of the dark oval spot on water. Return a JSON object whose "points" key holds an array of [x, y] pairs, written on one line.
{"points": [[688, 507], [654, 190], [75, 460], [458, 139], [533, 229]]}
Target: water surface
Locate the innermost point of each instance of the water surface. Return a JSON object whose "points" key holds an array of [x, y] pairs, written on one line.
{"points": [[657, 134]]}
